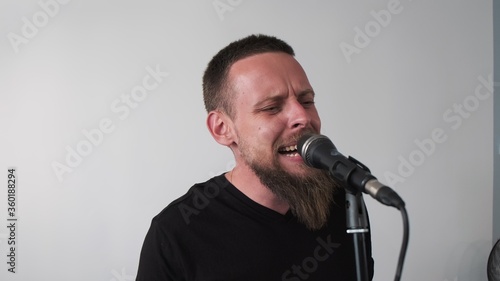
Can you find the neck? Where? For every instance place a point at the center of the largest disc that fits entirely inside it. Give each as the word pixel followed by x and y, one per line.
pixel 246 181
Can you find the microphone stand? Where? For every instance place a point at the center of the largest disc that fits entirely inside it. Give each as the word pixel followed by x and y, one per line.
pixel 357 225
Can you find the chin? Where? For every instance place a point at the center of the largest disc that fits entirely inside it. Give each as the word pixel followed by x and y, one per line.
pixel 300 170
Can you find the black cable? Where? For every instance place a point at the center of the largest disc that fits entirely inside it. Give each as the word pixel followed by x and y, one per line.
pixel 404 246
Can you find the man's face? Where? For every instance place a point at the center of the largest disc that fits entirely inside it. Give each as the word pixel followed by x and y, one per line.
pixel 273 107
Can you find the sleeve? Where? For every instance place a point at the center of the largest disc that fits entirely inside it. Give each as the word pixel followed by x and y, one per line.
pixel 154 261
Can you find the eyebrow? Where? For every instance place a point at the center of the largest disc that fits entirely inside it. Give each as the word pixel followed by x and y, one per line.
pixel 279 97
pixel 305 93
pixel 271 99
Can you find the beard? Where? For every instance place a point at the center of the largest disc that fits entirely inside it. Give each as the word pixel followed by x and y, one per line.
pixel 309 195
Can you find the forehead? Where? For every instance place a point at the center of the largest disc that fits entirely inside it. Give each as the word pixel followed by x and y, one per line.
pixel 266 64
pixel 268 73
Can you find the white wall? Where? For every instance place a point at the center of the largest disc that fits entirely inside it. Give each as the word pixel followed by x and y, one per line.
pixel 496 124
pixel 65 66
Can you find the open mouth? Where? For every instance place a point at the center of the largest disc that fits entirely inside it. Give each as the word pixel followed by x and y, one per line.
pixel 289 151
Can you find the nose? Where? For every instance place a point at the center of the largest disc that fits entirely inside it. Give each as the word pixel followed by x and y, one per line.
pixel 299 117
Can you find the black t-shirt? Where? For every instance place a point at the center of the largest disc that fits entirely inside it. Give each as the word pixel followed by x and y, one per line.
pixel 215 232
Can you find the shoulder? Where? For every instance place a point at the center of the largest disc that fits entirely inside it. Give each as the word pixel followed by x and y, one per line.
pixel 200 196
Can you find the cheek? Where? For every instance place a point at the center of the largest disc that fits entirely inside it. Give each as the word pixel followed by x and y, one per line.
pixel 266 136
pixel 262 133
pixel 318 126
pixel 316 122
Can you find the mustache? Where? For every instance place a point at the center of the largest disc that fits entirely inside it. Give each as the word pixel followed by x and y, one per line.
pixel 293 139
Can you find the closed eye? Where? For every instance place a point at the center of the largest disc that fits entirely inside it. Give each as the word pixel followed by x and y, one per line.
pixel 306 98
pixel 307 103
pixel 271 109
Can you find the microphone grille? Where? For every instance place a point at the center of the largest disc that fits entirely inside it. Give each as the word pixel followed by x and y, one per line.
pixel 304 147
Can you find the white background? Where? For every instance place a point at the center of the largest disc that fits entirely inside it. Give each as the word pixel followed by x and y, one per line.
pixel 65 66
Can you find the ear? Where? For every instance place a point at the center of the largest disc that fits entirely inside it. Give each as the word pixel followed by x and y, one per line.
pixel 221 127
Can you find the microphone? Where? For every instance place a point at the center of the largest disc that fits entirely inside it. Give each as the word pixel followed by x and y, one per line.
pixel 319 152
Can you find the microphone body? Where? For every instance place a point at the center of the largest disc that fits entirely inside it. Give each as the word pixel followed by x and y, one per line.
pixel 319 152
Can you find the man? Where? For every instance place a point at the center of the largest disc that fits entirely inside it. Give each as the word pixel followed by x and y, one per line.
pixel 271 217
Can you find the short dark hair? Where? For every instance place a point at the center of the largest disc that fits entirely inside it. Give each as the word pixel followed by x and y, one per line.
pixel 215 84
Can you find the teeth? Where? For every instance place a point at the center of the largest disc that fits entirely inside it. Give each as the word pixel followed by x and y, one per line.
pixel 289 148
pixel 292 155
